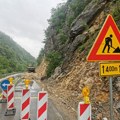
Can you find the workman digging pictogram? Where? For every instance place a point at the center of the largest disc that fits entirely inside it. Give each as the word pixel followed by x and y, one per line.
pixel 108 44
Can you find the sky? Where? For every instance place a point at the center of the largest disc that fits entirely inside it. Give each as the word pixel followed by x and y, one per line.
pixel 25 21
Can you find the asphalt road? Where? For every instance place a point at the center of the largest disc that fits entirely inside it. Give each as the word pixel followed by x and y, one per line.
pixel 53 113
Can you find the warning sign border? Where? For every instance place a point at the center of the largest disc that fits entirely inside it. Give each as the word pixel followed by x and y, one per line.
pixel 93 56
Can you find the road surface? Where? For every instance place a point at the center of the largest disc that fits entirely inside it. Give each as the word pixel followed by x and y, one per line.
pixel 53 113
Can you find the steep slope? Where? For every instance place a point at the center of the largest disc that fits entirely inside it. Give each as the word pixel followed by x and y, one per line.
pixel 66 83
pixel 13 58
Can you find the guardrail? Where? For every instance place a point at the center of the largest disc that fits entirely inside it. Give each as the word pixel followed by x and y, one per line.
pixel 13 75
pixel 7 74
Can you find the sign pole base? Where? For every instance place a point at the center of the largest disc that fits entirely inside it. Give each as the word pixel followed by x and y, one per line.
pixel 22 119
pixel 10 112
pixel 111 100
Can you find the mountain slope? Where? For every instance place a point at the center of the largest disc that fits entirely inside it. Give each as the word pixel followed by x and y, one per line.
pixel 78 33
pixel 13 58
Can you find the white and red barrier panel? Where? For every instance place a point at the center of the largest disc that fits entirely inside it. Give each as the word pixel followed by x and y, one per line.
pixel 3 99
pixel 10 97
pixel 25 105
pixel 42 105
pixel 84 111
pixel 4 94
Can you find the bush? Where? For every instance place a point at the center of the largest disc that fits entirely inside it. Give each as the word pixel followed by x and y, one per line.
pixel 54 58
pixel 81 48
pixel 116 13
pixel 63 37
pixel 40 57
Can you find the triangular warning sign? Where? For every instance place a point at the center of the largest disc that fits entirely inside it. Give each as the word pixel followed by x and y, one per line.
pixel 107 44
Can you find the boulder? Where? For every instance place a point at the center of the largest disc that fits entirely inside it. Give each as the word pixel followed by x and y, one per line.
pixel 86 17
pixel 56 72
pixel 79 40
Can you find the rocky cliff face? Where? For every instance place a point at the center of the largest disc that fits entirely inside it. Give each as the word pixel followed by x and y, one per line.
pixel 75 72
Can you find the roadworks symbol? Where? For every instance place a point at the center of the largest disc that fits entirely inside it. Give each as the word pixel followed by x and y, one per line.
pixel 107 44
pixel 110 44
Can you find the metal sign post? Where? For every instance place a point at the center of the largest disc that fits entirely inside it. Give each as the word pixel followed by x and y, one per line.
pixel 110 69
pixel 111 100
pixel 3 86
pixel 101 51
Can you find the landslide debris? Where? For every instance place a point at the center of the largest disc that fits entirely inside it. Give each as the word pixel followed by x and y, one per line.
pixel 69 78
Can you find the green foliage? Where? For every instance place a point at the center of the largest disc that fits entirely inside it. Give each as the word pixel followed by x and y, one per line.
pixel 62 37
pixel 13 58
pixel 62 17
pixel 54 59
pixel 116 13
pixel 70 19
pixel 76 6
pixel 57 22
pixel 59 25
pixel 58 16
pixel 40 57
pixel 81 48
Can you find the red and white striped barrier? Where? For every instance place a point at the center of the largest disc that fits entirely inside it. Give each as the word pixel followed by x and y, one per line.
pixel 10 101
pixel 25 105
pixel 42 105
pixel 4 94
pixel 4 97
pixel 10 97
pixel 84 111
